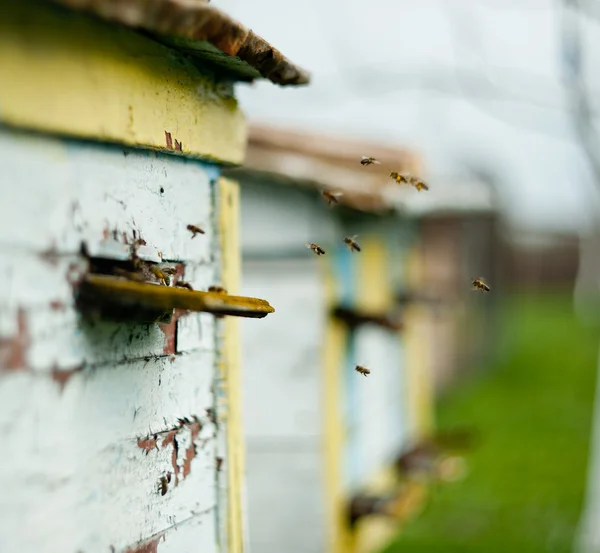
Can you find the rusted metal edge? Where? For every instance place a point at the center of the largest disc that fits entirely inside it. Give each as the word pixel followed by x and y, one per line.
pixel 192 26
pixel 153 297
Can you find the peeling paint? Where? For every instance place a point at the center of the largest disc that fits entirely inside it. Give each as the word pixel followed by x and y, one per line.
pixel 148 444
pixel 171 439
pixel 146 547
pixel 13 350
pixel 62 376
pixel 191 451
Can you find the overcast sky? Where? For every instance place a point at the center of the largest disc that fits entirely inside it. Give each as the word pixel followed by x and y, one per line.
pixel 475 82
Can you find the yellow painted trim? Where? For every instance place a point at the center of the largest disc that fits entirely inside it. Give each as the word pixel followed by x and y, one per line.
pixel 419 385
pixel 375 293
pixel 229 217
pixel 67 73
pixel 338 535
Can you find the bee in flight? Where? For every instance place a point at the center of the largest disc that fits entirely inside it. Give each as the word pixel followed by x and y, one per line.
pixel 331 197
pixel 479 284
pixel 217 289
pixel 362 370
pixel 369 161
pixel 195 230
pixel 398 177
pixel 418 184
pixel 352 244
pixel 315 248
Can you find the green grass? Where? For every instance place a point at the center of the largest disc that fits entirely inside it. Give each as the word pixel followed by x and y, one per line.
pixel 526 483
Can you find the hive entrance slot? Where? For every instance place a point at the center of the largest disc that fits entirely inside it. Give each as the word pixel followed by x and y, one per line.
pixel 139 291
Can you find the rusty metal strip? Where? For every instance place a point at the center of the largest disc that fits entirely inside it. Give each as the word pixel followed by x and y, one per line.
pixel 152 297
pixel 196 25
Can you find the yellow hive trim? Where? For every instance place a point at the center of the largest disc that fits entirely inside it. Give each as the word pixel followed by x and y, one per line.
pixel 229 221
pixel 67 73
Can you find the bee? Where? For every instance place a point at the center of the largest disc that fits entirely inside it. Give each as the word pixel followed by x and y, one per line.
pixel 217 289
pixel 331 197
pixel 398 177
pixel 418 184
pixel 369 161
pixel 352 244
pixel 163 484
pixel 315 248
pixel 362 370
pixel 160 274
pixel 195 230
pixel 183 284
pixel 479 284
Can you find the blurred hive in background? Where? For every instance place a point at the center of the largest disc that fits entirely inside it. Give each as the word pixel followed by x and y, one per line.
pixel 317 432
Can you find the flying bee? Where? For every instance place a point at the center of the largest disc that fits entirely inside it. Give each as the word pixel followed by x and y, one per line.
pixel 369 161
pixel 217 289
pixel 331 197
pixel 479 284
pixel 315 248
pixel 163 484
pixel 195 230
pixel 362 370
pixel 418 184
pixel 352 244
pixel 398 177
pixel 183 284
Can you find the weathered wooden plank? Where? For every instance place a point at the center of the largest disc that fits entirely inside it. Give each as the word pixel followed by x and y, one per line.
pixel 115 85
pixel 194 535
pixel 37 306
pixel 64 192
pixel 89 448
pixel 290 521
pixel 379 400
pixel 287 380
pixel 270 227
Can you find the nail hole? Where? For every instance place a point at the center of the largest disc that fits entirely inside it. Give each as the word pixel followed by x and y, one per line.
pixel 162 190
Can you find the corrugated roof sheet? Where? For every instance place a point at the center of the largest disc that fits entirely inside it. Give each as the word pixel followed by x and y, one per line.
pixel 201 30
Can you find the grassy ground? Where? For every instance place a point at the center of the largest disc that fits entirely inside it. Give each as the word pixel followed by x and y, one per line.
pixel 526 483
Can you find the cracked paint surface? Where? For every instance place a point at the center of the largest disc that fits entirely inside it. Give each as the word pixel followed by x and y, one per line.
pixel 94 412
